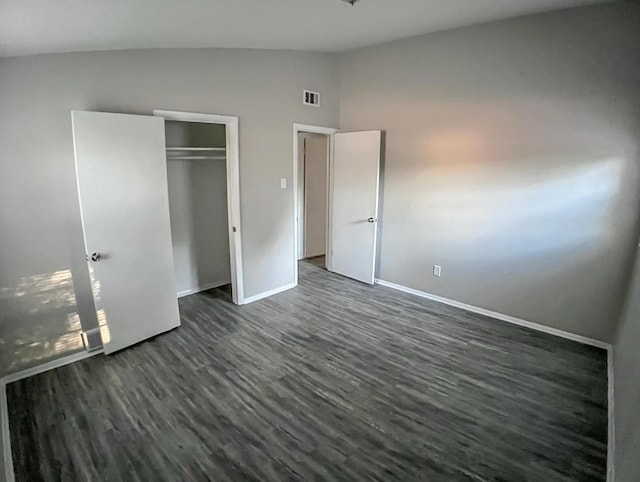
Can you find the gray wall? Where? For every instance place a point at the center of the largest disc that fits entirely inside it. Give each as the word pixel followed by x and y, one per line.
pixel 511 161
pixel 199 223
pixel 43 278
pixel 626 356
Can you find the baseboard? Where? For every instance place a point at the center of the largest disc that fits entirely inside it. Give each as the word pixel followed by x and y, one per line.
pixel 45 367
pixel 499 316
pixel 209 286
pixel 266 294
pixel 611 437
pixel 6 436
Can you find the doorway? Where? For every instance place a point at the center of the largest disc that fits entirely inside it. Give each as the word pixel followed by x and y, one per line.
pixel 202 178
pixel 312 148
pixel 349 189
pixel 313 154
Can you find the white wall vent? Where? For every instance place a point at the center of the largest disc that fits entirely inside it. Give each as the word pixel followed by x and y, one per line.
pixel 311 98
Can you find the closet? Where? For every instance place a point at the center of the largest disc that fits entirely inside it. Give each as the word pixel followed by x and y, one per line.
pixel 154 192
pixel 197 185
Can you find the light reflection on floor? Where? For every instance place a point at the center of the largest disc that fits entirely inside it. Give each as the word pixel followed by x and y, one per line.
pixel 104 327
pixel 38 320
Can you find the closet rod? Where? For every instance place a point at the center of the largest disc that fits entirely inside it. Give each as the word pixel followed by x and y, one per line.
pixel 193 158
pixel 221 149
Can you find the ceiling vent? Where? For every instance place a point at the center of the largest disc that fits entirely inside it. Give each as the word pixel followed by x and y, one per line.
pixel 311 98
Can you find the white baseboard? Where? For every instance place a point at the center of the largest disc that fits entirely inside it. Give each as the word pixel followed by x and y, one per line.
pixel 4 408
pixel 45 367
pixel 611 437
pixel 266 294
pixel 498 316
pixel 209 286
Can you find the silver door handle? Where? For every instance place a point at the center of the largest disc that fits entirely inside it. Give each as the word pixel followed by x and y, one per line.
pixel 95 257
pixel 372 220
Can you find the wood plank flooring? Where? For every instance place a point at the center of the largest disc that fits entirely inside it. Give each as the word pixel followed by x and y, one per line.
pixel 333 380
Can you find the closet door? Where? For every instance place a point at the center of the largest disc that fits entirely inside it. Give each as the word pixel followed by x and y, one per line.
pixel 122 183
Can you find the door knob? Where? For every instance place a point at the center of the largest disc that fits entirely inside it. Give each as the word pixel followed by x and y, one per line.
pixel 96 257
pixel 372 220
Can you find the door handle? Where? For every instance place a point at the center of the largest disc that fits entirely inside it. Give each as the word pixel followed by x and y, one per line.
pixel 372 220
pixel 94 257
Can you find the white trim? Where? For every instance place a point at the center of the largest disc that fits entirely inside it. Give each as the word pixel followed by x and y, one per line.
pixel 233 189
pixel 314 129
pixel 328 131
pixel 611 437
pixel 6 435
pixel 198 289
pixel 266 294
pixel 53 364
pixel 193 116
pixel 301 213
pixel 498 316
pixel 328 258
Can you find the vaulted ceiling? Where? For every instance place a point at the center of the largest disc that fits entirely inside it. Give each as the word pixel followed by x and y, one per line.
pixel 44 26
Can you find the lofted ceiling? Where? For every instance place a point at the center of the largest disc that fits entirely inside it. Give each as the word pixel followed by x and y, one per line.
pixel 45 26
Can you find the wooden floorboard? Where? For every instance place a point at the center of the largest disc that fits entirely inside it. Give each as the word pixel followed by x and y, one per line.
pixel 332 380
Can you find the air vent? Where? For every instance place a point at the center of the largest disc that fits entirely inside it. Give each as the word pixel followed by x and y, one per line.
pixel 311 98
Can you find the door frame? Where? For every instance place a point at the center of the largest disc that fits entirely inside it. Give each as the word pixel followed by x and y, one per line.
pixel 311 129
pixel 231 124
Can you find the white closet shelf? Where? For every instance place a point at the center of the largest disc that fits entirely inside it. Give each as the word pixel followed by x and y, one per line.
pixel 213 149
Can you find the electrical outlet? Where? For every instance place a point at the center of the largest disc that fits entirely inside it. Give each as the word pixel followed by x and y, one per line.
pixel 437 270
pixel 283 183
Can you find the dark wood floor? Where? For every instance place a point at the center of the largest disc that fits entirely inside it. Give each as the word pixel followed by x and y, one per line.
pixel 333 380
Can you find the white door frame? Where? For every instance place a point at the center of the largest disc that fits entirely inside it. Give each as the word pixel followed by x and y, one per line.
pixel 233 188
pixel 328 131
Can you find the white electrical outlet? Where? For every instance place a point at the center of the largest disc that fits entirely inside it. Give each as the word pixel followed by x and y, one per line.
pixel 283 183
pixel 437 270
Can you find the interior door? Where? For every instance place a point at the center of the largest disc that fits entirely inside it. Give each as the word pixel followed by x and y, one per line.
pixel 354 189
pixel 122 183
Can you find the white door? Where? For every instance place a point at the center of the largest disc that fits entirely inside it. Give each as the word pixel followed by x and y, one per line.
pixel 122 183
pixel 355 178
